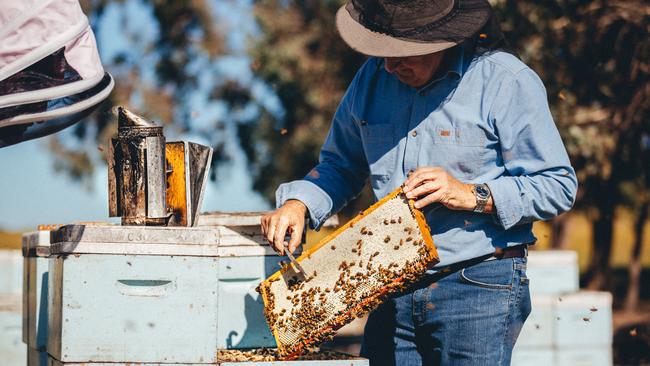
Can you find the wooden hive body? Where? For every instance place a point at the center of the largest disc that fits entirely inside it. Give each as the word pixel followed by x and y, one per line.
pixel 349 273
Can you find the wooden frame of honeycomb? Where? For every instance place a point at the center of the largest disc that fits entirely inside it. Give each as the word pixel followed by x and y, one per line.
pixel 350 272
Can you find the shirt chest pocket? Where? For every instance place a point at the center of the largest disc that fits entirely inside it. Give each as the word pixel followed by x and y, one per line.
pixel 462 150
pixel 379 146
pixel 470 136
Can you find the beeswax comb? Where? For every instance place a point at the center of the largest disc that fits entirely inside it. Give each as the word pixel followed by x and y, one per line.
pixel 349 273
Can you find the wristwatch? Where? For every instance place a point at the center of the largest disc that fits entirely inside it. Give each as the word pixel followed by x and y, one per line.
pixel 482 194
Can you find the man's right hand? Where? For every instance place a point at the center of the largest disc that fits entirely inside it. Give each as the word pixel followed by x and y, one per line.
pixel 290 218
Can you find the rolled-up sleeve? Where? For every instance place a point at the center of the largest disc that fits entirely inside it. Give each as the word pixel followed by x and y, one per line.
pixel 341 172
pixel 539 182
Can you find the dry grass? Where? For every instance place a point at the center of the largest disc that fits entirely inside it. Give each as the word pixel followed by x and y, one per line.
pixel 10 240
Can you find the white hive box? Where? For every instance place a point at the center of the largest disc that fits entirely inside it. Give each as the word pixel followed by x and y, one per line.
pixel 584 356
pixel 553 272
pixel 532 356
pixel 133 294
pixel 353 361
pixel 246 259
pixel 13 352
pixel 11 269
pixel 538 328
pixel 36 357
pixel 583 319
pixel 36 251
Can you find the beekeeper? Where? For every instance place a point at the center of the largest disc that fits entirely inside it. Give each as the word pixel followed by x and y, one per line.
pixel 443 107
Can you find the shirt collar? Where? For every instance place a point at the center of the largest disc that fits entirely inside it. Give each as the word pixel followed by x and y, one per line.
pixel 453 66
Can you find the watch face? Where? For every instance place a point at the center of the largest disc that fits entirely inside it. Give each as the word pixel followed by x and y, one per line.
pixel 482 192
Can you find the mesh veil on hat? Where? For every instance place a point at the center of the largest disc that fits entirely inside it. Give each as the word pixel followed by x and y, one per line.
pixel 400 28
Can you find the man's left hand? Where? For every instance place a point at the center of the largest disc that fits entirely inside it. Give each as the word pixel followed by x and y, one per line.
pixel 432 184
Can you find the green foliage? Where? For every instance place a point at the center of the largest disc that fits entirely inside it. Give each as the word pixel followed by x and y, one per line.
pixel 301 56
pixel 186 31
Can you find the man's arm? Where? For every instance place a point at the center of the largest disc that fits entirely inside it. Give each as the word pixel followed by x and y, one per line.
pixel 337 179
pixel 540 182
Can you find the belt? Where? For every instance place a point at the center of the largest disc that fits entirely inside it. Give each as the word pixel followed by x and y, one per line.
pixel 519 251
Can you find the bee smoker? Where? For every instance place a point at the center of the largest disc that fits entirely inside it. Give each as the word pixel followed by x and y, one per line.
pixel 153 182
pixel 136 172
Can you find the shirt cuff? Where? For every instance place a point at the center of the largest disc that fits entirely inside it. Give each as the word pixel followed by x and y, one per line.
pixel 318 202
pixel 505 195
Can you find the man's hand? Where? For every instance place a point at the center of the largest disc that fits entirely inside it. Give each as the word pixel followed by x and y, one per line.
pixel 290 218
pixel 433 184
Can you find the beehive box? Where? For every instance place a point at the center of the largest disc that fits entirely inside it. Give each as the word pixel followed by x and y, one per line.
pixel 245 260
pixel 583 319
pixel 532 356
pixel 553 272
pixel 11 263
pixel 584 356
pixel 538 328
pixel 348 274
pixel 36 251
pixel 326 359
pixel 12 350
pixel 37 357
pixel 133 294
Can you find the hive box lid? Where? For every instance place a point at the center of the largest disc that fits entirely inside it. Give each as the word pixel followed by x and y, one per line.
pixel 135 240
pixel 555 258
pixel 36 243
pixel 245 219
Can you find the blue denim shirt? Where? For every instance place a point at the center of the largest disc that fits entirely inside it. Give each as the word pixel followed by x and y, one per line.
pixel 484 119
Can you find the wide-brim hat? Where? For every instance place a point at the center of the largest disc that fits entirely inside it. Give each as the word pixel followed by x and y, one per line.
pixel 389 28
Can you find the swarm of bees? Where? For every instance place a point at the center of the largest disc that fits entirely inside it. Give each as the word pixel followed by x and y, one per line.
pixel 359 270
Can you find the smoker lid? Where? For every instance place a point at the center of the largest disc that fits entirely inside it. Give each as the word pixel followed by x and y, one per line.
pixel 141 240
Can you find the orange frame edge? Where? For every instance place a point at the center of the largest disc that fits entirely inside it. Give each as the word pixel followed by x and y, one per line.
pixel 422 225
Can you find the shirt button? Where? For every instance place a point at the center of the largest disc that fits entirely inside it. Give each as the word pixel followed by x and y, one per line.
pixel 414 133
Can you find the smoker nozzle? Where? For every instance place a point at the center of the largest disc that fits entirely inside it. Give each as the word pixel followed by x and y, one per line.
pixel 126 119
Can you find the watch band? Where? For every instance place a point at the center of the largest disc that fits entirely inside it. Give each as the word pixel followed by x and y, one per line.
pixel 482 194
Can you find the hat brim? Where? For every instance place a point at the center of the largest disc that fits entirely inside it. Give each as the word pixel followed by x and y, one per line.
pixel 363 40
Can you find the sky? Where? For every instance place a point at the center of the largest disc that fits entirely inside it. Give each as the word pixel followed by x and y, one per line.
pixel 32 192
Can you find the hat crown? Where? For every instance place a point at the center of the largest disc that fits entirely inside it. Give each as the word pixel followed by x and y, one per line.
pixel 390 16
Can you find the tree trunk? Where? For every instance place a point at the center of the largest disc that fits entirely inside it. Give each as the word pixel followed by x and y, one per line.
pixel 634 271
pixel 560 232
pixel 598 273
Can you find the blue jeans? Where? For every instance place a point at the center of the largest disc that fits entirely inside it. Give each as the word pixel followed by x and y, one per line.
pixel 471 316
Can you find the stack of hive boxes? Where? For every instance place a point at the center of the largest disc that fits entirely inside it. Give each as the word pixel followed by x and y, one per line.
pixel 36 251
pixel 103 293
pixel 12 351
pixel 566 327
